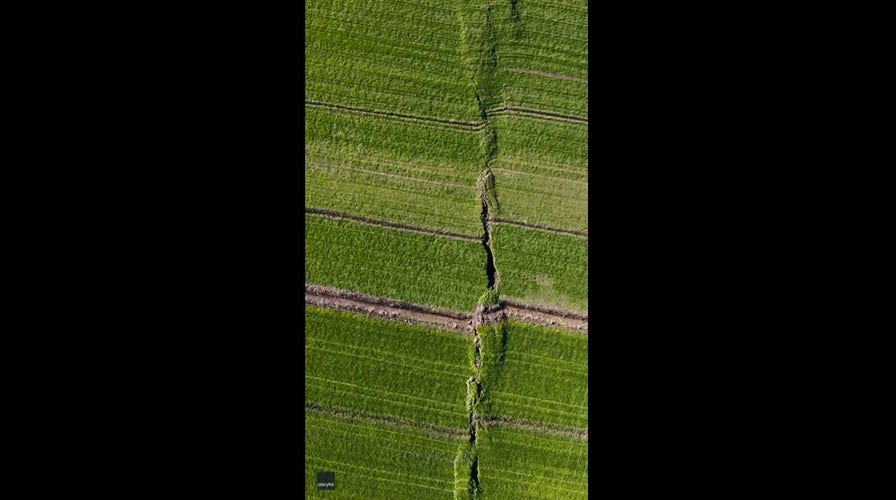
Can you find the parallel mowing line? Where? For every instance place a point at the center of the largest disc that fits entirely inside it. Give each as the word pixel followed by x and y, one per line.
pixel 549 74
pixel 506 480
pixel 382 223
pixel 579 483
pixel 394 401
pixel 549 401
pixel 570 232
pixel 378 423
pixel 471 126
pixel 446 458
pixel 448 444
pixel 375 390
pixel 410 358
pixel 389 472
pixel 534 113
pixel 549 367
pixel 381 360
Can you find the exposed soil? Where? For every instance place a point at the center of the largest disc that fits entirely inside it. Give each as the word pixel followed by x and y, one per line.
pixel 464 125
pixel 549 74
pixel 555 318
pixel 333 214
pixel 362 416
pixel 388 309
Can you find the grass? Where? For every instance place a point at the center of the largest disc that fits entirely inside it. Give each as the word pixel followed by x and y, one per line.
pixel 396 264
pixel 381 367
pixel 377 460
pixel 542 378
pixel 538 267
pixel 440 199
pixel 523 464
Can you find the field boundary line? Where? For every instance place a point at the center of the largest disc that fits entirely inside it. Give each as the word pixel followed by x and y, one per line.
pixel 334 214
pixel 549 74
pixel 471 126
pixel 373 419
pixel 569 232
pixel 577 432
pixel 537 113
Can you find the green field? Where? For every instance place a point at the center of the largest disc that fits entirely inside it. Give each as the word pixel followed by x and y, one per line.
pixel 390 369
pixel 522 464
pixel 377 460
pixel 543 379
pixel 538 267
pixel 417 268
pixel 416 112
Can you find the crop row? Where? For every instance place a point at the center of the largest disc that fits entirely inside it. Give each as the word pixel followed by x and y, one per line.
pixel 539 267
pixel 523 464
pixel 375 366
pixel 538 199
pixel 545 93
pixel 429 198
pixel 390 263
pixel 376 460
pixel 543 141
pixel 350 134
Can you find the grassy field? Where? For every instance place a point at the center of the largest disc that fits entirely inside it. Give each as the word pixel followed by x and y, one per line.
pixel 390 369
pixel 522 464
pixel 538 267
pixel 417 268
pixel 543 379
pixel 378 460
pixel 409 106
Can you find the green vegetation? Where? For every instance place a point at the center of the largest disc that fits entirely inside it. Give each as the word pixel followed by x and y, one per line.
pixel 440 199
pixel 374 366
pixel 417 268
pixel 391 56
pixel 522 464
pixel 542 378
pixel 539 267
pixel 376 460
pixel 346 134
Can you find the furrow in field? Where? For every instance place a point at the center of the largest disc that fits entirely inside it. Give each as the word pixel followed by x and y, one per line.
pixel 471 126
pixel 549 74
pixel 378 419
pixel 535 113
pixel 570 232
pixel 581 433
pixel 333 214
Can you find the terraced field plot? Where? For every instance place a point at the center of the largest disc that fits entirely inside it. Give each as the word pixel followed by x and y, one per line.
pixel 446 172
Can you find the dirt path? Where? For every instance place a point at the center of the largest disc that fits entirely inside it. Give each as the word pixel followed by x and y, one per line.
pixel 452 321
pixel 546 317
pixel 388 309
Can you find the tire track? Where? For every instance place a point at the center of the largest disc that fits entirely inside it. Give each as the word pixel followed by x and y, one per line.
pixel 333 214
pixel 535 113
pixel 471 126
pixel 569 232
pixel 549 74
pixel 547 429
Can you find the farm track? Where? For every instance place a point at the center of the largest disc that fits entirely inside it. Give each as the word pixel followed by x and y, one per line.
pixel 549 74
pixel 547 429
pixel 471 126
pixel 333 214
pixel 458 322
pixel 435 431
pixel 535 113
pixel 570 232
